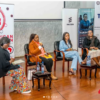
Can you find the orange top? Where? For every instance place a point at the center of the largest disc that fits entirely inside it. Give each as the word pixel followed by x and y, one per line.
pixel 34 50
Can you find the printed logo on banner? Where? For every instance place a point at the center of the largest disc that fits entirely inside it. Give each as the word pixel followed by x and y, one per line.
pixel 98 15
pixel 69 21
pixel 2 20
pixel 98 2
pixel 10 49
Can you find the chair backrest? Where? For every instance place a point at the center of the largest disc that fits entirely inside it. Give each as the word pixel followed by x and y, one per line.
pixel 26 49
pixel 56 47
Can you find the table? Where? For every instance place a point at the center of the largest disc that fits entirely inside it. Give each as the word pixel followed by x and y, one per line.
pixel 39 76
pixel 94 53
pixel 88 67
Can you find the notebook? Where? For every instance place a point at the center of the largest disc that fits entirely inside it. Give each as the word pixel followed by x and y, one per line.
pixel 18 62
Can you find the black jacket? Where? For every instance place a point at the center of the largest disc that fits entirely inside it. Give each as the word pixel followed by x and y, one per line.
pixel 5 65
pixel 86 44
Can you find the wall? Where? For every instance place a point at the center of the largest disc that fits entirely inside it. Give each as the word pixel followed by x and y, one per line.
pixel 79 4
pixel 28 9
pixel 48 31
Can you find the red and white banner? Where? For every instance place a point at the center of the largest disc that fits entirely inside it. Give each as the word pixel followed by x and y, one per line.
pixel 7 24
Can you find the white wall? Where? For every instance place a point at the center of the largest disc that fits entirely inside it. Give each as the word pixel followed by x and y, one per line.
pixel 87 4
pixel 36 9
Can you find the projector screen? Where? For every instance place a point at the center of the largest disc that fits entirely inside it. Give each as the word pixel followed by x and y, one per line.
pixel 36 9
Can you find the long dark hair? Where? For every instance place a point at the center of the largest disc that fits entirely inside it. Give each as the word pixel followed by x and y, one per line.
pixel 69 38
pixel 4 40
pixel 32 36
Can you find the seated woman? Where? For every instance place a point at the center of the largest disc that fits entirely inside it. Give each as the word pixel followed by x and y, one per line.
pixel 36 48
pixel 66 47
pixel 19 81
pixel 91 43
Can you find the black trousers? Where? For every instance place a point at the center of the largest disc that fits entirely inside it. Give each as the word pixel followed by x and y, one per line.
pixel 48 63
pixel 84 54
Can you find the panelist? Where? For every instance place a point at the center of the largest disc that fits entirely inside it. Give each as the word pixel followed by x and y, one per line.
pixel 19 82
pixel 66 47
pixel 36 48
pixel 92 44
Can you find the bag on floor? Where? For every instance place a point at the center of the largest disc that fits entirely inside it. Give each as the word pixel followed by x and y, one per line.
pixel 30 71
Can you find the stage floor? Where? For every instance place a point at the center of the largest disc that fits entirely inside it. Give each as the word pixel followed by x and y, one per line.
pixel 67 87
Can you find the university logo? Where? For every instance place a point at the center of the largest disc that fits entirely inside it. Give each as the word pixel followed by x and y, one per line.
pixel 10 49
pixel 2 20
pixel 70 19
pixel 98 15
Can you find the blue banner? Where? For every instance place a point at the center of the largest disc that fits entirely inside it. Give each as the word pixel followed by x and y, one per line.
pixel 85 23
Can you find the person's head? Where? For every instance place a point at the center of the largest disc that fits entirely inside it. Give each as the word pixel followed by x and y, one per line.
pixel 4 42
pixel 90 33
pixel 66 37
pixel 85 17
pixel 34 37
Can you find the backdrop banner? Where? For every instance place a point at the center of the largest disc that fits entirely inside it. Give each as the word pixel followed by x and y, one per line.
pixel 7 25
pixel 69 24
pixel 97 19
pixel 85 23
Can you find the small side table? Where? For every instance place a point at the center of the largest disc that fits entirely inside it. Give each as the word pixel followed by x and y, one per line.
pixel 88 67
pixel 39 76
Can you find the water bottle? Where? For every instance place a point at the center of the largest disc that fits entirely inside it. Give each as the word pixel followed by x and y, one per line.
pixel 42 67
pixel 88 60
pixel 38 67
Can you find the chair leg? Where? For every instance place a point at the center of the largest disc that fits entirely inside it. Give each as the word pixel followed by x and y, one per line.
pixel 77 68
pixel 68 66
pixel 95 72
pixel 90 73
pixel 80 73
pixel 63 66
pixel 26 70
pixel 85 72
pixel 55 65
pixel 26 66
pixel 3 81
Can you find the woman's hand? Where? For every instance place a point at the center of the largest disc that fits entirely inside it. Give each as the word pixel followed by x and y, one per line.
pixel 12 60
pixel 41 44
pixel 96 48
pixel 92 47
pixel 47 54
pixel 70 49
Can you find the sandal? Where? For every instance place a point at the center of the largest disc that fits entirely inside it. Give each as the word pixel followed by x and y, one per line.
pixel 72 72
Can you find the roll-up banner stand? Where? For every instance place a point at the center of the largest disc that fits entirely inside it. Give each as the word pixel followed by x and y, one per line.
pixel 69 24
pixel 7 24
pixel 85 23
